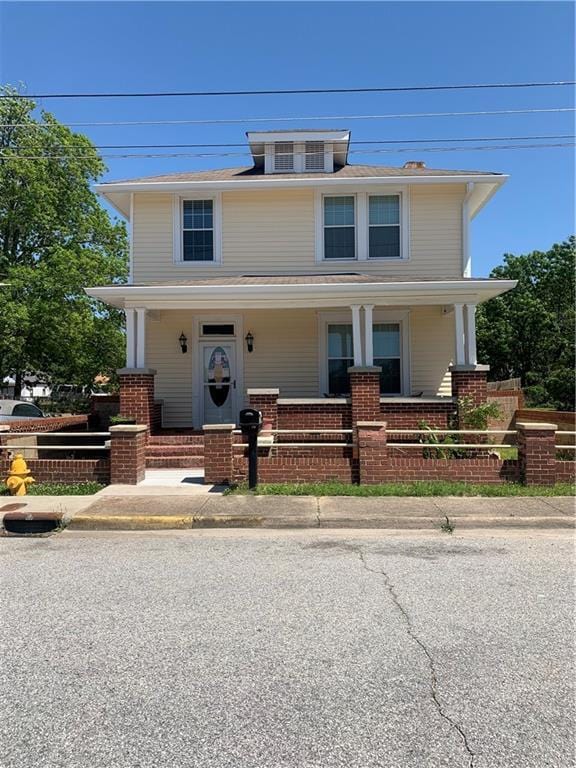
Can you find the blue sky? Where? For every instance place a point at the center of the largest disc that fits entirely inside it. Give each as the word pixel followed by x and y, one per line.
pixel 73 47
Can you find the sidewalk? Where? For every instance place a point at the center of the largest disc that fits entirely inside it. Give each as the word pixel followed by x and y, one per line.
pixel 156 509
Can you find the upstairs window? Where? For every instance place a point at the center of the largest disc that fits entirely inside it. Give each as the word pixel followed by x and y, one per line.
pixel 284 156
pixel 339 227
pixel 384 227
pixel 198 230
pixel 314 156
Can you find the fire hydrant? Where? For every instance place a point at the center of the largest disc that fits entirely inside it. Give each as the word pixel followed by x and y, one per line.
pixel 19 476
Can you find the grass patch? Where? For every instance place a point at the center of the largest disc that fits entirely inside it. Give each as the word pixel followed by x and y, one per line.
pixel 60 489
pixel 433 488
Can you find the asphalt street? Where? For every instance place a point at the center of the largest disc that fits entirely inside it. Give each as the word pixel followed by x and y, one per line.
pixel 288 649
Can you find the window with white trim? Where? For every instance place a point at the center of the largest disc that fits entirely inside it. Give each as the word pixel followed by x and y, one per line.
pixel 340 357
pixel 340 227
pixel 384 227
pixel 197 230
pixel 387 346
pixel 387 355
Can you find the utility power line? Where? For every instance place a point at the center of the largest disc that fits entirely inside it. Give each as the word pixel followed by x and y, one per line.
pixel 370 142
pixel 289 91
pixel 305 118
pixel 484 148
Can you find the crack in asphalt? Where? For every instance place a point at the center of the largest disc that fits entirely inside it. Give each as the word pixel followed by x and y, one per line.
pixel 431 664
pixel 318 511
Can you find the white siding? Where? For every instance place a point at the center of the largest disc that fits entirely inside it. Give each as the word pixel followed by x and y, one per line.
pixel 432 350
pixel 267 232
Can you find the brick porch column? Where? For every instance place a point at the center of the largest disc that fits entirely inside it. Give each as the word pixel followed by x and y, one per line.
pixel 266 401
pixel 218 453
pixel 137 394
pixel 469 381
pixel 536 453
pixel 372 449
pixel 365 392
pixel 128 453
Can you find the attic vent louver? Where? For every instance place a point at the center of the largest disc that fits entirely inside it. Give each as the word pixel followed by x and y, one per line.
pixel 314 156
pixel 284 156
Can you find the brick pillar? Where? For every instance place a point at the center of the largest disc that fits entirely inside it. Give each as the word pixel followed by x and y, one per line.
pixel 365 392
pixel 128 453
pixel 469 381
pixel 218 453
pixel 137 394
pixel 536 453
pixel 266 401
pixel 372 450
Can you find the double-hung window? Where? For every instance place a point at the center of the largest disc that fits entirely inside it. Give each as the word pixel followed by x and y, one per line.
pixel 387 347
pixel 340 227
pixel 198 230
pixel 340 357
pixel 384 227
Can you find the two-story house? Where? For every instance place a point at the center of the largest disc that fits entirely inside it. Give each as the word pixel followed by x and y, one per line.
pixel 295 274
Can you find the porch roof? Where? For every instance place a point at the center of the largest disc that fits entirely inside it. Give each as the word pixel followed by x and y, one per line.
pixel 284 291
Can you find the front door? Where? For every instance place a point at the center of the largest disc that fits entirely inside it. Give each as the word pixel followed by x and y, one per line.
pixel 219 382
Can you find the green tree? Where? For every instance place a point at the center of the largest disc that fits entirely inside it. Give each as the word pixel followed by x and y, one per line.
pixel 55 240
pixel 529 332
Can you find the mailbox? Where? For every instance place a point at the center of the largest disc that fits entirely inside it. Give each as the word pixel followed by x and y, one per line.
pixel 250 421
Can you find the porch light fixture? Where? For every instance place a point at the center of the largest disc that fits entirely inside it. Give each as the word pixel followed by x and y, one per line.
pixel 183 343
pixel 249 341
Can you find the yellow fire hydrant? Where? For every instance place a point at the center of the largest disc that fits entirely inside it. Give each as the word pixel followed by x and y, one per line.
pixel 19 476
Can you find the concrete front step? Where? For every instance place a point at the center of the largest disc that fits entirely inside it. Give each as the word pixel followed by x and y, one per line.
pixel 190 461
pixel 174 450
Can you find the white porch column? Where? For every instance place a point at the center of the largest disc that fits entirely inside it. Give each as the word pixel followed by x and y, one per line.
pixel 356 334
pixel 471 334
pixel 130 338
pixel 368 339
pixel 459 330
pixel 141 338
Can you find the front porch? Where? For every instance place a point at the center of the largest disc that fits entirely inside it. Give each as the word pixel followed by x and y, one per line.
pixel 312 350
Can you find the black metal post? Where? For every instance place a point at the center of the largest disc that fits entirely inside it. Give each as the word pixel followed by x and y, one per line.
pixel 252 459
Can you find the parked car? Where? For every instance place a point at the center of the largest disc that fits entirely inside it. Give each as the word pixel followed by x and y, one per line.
pixel 15 410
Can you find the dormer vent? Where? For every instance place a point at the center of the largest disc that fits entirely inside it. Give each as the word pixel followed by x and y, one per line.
pixel 314 156
pixel 284 156
pixel 299 151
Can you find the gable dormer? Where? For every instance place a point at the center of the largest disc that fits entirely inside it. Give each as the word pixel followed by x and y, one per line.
pixel 307 151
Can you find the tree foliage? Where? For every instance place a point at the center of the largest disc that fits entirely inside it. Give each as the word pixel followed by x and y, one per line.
pixel 529 332
pixel 55 240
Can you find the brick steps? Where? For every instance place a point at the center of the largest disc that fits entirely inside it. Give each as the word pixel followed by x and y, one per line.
pixel 174 462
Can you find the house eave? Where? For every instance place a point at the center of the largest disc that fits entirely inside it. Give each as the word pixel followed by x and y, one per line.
pixel 200 296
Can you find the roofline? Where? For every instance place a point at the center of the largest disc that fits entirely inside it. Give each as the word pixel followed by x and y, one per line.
pixel 175 186
pixel 321 294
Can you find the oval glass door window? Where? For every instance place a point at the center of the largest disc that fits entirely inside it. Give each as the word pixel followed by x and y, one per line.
pixel 219 376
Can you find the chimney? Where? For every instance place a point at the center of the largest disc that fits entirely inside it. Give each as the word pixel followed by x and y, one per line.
pixel 415 164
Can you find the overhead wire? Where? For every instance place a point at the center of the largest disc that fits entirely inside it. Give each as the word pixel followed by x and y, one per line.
pixel 484 148
pixel 302 118
pixel 290 91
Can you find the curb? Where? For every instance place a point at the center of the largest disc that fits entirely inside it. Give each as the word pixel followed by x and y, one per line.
pixel 188 522
pixel 160 522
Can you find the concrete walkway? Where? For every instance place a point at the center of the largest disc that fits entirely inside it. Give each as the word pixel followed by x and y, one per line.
pixel 153 510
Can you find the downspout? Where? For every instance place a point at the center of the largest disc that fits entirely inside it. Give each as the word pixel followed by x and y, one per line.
pixel 131 241
pixel 466 259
